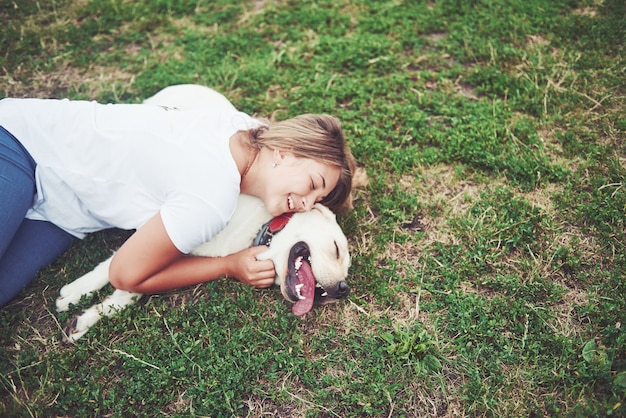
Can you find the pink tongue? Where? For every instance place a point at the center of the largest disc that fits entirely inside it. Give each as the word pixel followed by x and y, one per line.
pixel 305 276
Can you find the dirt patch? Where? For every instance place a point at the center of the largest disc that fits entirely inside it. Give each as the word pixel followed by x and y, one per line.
pixel 566 320
pixel 90 82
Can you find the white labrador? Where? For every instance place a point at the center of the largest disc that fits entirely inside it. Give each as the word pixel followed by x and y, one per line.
pixel 310 252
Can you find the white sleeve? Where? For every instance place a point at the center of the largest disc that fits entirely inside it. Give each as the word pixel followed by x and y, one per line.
pixel 190 221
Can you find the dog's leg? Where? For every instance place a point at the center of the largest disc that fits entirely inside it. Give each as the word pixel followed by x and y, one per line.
pixel 117 301
pixel 85 285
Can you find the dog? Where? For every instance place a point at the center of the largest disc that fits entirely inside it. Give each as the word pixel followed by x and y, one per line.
pixel 309 250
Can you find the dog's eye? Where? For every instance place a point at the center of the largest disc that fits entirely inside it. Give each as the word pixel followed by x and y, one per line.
pixel 337 250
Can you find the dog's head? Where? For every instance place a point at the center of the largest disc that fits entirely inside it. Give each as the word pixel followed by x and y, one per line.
pixel 311 258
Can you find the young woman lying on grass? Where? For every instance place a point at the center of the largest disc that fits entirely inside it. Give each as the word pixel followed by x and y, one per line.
pixel 68 168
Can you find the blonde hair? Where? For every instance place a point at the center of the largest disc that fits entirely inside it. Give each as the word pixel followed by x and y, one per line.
pixel 318 137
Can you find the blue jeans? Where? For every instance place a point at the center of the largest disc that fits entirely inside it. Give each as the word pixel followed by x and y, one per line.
pixel 25 245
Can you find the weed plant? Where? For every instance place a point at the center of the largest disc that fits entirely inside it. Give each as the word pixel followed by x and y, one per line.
pixel 488 249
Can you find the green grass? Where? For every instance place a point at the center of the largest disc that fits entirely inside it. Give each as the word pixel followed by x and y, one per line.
pixel 488 249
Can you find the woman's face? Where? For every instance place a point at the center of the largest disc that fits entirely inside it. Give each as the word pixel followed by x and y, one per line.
pixel 296 184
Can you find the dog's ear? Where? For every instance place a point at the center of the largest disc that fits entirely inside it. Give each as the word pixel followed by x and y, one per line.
pixel 325 211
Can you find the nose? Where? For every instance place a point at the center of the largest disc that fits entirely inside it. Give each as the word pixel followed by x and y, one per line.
pixel 307 203
pixel 343 290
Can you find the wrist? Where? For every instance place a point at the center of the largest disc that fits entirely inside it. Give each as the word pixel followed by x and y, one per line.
pixel 227 267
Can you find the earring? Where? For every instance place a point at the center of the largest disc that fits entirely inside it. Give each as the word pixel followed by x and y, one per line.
pixel 274 164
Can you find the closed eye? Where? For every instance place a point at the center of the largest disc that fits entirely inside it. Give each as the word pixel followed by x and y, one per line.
pixel 337 250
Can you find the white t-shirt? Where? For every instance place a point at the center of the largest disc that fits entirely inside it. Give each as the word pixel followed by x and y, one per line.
pixel 101 166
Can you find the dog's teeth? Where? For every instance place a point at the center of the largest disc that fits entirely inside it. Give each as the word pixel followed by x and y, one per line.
pixel 318 285
pixel 324 294
pixel 298 263
pixel 298 291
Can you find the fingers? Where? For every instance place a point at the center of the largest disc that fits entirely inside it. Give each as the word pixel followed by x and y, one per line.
pixel 263 273
pixel 266 266
pixel 263 284
pixel 257 273
pixel 254 251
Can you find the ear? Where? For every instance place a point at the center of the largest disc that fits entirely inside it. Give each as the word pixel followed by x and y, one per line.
pixel 325 211
pixel 280 157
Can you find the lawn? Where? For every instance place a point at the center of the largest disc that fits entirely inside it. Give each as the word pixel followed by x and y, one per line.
pixel 488 249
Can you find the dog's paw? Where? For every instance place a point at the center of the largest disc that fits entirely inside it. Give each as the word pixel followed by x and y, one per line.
pixel 66 298
pixel 70 332
pixel 80 324
pixel 70 294
pixel 63 303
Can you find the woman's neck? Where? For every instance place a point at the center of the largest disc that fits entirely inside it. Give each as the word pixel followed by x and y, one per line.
pixel 243 154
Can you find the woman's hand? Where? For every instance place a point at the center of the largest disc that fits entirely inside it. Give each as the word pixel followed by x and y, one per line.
pixel 245 267
pixel 148 262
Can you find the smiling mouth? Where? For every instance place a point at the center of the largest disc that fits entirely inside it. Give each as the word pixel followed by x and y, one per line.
pixel 290 203
pixel 302 287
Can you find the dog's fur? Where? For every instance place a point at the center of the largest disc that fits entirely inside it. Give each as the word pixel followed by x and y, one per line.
pixel 311 242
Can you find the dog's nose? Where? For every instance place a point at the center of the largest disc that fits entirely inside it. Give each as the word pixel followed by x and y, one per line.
pixel 343 290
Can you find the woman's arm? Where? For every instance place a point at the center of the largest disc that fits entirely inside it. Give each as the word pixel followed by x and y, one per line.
pixel 149 262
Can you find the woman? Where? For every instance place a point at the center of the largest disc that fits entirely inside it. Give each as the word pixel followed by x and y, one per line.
pixel 68 168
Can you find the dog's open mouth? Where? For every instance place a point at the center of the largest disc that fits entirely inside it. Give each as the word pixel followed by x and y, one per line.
pixel 301 284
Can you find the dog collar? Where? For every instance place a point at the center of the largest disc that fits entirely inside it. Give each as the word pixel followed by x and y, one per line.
pixel 270 228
